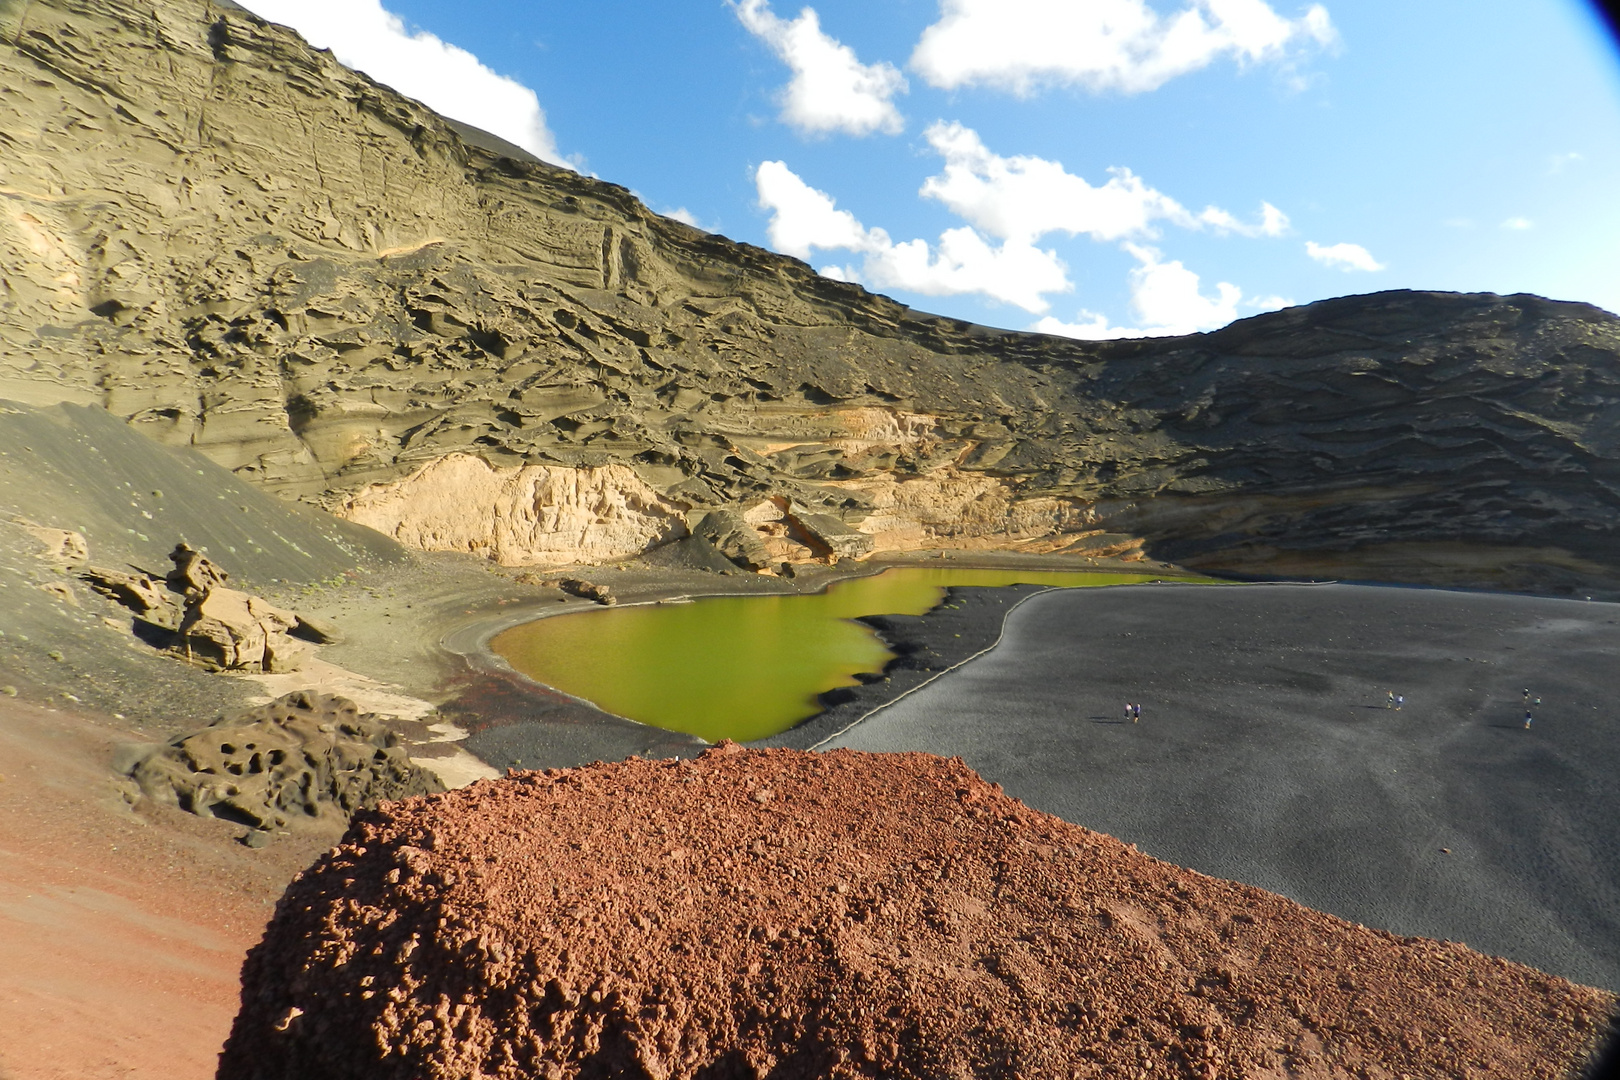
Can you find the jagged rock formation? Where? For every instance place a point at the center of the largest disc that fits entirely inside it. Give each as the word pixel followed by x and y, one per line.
pixel 220 628
pixel 787 914
pixel 302 758
pixel 520 515
pixel 221 234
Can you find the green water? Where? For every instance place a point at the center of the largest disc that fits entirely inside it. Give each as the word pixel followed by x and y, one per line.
pixel 741 667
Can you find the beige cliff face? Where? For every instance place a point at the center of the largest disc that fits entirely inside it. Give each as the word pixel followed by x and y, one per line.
pixel 232 241
pixel 521 516
pixel 953 509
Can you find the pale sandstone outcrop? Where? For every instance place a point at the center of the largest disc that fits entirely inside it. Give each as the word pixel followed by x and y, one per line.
pixel 61 545
pixel 952 508
pixel 227 628
pixel 521 516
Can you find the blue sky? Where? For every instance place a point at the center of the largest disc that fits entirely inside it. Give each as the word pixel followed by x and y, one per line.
pixel 1092 167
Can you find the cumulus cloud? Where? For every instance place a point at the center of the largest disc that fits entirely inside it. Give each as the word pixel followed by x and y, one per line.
pixel 1166 298
pixel 831 91
pixel 450 80
pixel 1518 224
pixel 1345 257
pixel 1023 198
pixel 804 219
pixel 1103 45
pixel 1010 203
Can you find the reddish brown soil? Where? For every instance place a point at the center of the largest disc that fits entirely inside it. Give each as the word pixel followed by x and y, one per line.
pixel 784 914
pixel 121 933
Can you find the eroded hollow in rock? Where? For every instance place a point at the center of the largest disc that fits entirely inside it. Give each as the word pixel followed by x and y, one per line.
pixel 787 914
pixel 303 757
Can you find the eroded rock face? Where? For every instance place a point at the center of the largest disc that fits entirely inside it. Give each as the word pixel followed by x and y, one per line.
pixel 520 516
pixel 787 914
pixel 221 234
pixel 304 757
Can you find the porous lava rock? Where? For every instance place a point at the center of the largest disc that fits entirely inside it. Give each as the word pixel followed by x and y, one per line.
pixel 304 757
pixel 787 914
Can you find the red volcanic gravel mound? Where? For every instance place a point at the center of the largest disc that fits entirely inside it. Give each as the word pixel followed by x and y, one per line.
pixel 787 914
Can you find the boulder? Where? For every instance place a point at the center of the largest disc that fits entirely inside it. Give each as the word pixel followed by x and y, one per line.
pixel 732 535
pixel 303 757
pixel 318 630
pixel 148 597
pixel 227 629
pixel 602 594
pixel 841 539
pixel 194 573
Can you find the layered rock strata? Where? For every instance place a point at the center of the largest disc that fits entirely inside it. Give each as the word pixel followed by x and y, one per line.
pixel 219 233
pixel 785 914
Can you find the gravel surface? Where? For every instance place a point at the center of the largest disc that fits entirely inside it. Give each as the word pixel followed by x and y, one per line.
pixel 781 913
pixel 1266 753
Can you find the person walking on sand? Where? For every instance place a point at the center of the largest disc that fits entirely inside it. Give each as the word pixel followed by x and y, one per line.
pixel 1400 699
pixel 1391 703
pixel 1136 712
pixel 1527 719
pixel 1128 708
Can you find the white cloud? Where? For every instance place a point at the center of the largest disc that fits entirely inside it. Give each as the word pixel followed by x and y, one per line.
pixel 1102 45
pixel 804 219
pixel 1558 162
pixel 831 91
pixel 683 215
pixel 1010 203
pixel 1023 198
pixel 1345 257
pixel 1166 298
pixel 1011 272
pixel 1518 224
pixel 450 80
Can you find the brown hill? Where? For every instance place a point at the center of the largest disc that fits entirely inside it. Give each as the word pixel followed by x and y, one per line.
pixel 223 235
pixel 785 914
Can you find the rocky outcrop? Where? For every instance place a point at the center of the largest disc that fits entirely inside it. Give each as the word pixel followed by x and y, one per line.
pixel 520 516
pixel 788 914
pixel 219 233
pixel 303 758
pixel 218 627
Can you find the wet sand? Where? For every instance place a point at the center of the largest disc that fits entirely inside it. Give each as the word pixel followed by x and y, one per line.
pixel 1266 753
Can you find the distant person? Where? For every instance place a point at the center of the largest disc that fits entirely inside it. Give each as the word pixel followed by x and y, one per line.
pixel 1400 699
pixel 1527 697
pixel 1136 712
pixel 1129 715
pixel 1390 704
pixel 1527 719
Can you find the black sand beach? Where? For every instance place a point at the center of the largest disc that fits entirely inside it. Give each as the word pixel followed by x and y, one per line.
pixel 1266 752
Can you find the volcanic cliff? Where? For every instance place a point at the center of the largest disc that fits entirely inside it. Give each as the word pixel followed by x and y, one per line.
pixel 223 235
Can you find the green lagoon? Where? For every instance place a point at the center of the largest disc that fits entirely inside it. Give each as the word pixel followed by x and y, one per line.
pixel 741 667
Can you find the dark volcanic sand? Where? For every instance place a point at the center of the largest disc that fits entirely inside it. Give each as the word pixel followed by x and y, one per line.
pixel 1265 753
pixel 755 913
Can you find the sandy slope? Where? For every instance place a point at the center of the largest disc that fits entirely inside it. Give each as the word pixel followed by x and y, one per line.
pixel 121 933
